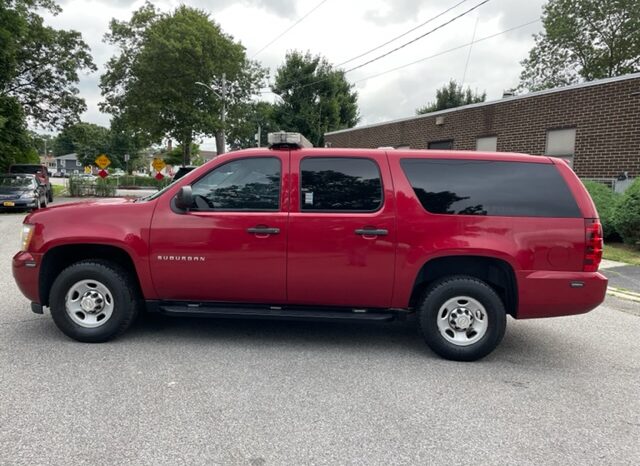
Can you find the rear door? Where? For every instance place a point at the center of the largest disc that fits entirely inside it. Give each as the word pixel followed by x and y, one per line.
pixel 342 229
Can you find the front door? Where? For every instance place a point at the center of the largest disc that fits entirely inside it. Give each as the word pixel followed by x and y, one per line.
pixel 231 246
pixel 342 230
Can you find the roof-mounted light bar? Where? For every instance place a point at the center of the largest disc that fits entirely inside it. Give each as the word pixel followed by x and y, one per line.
pixel 283 138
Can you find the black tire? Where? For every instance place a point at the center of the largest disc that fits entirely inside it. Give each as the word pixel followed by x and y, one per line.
pixel 121 287
pixel 447 289
pixel 50 194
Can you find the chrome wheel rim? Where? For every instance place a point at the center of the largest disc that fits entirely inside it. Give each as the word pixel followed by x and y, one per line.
pixel 89 303
pixel 462 321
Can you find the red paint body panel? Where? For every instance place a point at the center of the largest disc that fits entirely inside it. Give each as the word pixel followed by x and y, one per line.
pixel 317 259
pixel 238 266
pixel 327 262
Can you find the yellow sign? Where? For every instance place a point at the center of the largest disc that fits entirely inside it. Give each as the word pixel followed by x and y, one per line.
pixel 102 161
pixel 87 170
pixel 158 164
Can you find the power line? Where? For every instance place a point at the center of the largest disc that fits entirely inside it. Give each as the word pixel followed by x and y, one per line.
pixel 402 35
pixel 466 65
pixel 406 65
pixel 448 51
pixel 419 37
pixel 397 48
pixel 289 28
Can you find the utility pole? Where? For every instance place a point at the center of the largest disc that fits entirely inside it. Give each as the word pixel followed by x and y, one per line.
pixel 221 142
pixel 259 135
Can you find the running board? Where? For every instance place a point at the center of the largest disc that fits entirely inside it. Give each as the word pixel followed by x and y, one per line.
pixel 271 312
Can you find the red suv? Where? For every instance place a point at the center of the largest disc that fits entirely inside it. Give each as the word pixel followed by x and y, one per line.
pixel 460 239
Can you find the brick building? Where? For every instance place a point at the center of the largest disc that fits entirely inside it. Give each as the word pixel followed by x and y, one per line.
pixel 594 125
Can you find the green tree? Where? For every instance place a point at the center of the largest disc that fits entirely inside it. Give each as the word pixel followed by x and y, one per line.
pixel 452 95
pixel 316 98
pixel 85 139
pixel 583 40
pixel 174 156
pixel 39 65
pixel 151 84
pixel 244 120
pixel 15 141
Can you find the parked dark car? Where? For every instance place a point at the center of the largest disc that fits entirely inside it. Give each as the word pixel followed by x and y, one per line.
pixel 21 192
pixel 41 173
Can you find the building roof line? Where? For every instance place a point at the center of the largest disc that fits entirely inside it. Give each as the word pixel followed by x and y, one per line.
pixel 571 87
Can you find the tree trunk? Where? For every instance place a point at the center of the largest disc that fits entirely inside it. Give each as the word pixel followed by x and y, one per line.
pixel 220 142
pixel 186 152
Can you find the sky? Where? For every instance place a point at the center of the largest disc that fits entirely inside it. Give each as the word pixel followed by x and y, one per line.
pixel 341 30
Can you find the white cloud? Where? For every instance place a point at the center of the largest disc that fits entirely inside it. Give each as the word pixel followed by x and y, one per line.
pixel 339 31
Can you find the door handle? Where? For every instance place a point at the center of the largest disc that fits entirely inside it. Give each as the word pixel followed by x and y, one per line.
pixel 260 230
pixel 372 232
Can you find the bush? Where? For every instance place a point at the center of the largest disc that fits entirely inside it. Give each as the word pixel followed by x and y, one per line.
pixel 606 201
pixel 626 216
pixel 79 187
pixel 139 181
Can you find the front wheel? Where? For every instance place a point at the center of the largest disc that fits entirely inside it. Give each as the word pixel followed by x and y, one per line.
pixel 462 318
pixel 93 301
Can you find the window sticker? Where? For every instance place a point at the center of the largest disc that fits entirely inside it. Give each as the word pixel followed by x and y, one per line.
pixel 308 198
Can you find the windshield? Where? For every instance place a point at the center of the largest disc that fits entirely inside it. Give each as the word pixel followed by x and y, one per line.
pixel 25 169
pixel 155 195
pixel 17 182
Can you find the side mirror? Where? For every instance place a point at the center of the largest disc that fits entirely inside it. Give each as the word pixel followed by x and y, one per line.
pixel 184 198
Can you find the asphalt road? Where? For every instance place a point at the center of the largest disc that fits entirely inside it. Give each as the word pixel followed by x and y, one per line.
pixel 170 391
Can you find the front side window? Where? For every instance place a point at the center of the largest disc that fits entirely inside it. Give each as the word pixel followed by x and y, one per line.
pixel 340 184
pixel 240 185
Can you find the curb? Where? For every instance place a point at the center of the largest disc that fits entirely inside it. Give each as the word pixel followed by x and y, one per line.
pixel 624 294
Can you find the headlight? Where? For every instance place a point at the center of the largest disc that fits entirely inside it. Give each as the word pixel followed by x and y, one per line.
pixel 27 234
pixel 29 195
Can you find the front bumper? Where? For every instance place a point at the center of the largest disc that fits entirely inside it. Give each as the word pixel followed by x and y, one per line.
pixel 26 271
pixel 14 204
pixel 553 294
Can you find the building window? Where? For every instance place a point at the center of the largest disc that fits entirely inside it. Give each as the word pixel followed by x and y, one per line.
pixel 403 147
pixel 562 143
pixel 442 145
pixel 487 144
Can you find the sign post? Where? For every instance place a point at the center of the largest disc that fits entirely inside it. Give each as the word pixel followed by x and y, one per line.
pixel 102 161
pixel 158 165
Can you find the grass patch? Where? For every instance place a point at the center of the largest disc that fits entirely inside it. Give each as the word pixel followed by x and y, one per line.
pixel 621 253
pixel 58 190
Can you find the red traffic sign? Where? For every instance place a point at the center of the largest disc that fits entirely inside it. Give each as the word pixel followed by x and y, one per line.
pixel 159 176
pixel 103 174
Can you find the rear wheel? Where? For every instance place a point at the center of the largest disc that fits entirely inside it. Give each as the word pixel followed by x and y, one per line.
pixel 93 301
pixel 462 318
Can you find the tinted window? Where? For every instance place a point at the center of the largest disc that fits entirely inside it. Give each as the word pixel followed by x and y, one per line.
pixel 472 187
pixel 247 184
pixel 340 184
pixel 32 169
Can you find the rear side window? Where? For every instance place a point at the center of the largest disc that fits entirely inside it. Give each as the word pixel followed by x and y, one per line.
pixel 340 184
pixel 478 187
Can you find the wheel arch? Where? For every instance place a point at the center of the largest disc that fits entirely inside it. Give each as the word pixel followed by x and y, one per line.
pixel 497 273
pixel 60 257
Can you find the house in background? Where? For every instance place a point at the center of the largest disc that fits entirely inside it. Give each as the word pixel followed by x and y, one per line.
pixel 65 165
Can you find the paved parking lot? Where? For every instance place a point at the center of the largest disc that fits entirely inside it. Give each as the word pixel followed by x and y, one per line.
pixel 557 391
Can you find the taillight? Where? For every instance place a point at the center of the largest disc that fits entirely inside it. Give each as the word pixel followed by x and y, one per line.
pixel 593 244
